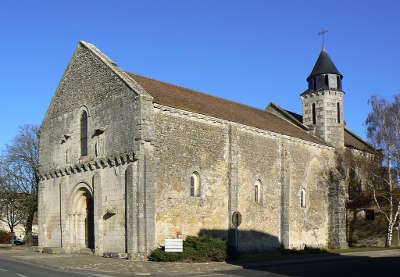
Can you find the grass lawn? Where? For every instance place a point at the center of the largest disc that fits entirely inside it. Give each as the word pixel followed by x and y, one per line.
pixel 361 249
pixel 282 254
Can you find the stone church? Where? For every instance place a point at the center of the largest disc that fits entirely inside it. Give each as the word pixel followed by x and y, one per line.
pixel 127 161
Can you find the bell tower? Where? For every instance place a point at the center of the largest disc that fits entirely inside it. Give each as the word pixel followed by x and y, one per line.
pixel 323 101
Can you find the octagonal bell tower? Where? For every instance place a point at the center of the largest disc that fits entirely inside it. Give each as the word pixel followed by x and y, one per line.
pixel 323 101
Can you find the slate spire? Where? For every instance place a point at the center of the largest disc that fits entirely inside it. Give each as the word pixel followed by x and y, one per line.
pixel 324 65
pixel 323 101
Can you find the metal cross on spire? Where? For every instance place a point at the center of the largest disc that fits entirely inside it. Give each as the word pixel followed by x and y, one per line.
pixel 322 33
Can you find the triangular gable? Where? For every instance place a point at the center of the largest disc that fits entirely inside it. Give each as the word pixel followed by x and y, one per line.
pixel 102 76
pixel 292 117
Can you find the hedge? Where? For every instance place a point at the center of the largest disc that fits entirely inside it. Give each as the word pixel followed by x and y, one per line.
pixel 195 249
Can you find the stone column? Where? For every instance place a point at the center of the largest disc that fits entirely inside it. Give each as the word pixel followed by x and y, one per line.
pixel 75 230
pixel 285 197
pixel 140 198
pixel 42 214
pixel 98 214
pixel 146 187
pixel 233 182
pixel 131 209
pixel 337 211
pixel 65 207
pixel 149 197
pixel 82 231
pixel 62 212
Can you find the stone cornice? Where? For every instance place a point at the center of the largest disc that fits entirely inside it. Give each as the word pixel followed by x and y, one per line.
pixel 89 165
pixel 321 91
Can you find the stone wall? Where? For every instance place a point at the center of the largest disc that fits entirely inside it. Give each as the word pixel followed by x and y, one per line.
pixel 183 146
pixel 327 126
pixel 259 160
pixel 119 133
pixel 87 85
pixel 230 159
pixel 57 215
pixel 284 167
pixel 49 214
pixel 309 171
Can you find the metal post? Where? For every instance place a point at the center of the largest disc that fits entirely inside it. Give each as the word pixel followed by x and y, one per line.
pixel 236 238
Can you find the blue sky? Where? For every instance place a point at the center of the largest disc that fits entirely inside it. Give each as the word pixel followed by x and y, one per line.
pixel 252 52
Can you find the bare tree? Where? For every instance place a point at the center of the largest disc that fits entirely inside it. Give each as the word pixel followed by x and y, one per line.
pixel 383 131
pixel 395 110
pixel 20 167
pixel 12 210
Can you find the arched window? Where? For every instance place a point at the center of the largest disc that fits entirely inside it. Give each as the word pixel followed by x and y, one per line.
pixel 303 198
pixel 327 81
pixel 195 184
pixel 257 191
pixel 338 112
pixel 84 132
pixel 314 116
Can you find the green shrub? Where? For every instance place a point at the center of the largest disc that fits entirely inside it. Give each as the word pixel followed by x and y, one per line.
pixel 195 249
pixel 5 237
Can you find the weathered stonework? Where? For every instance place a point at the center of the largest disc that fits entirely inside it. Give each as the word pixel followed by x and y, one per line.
pixel 337 211
pixel 327 126
pixel 122 148
pixel 134 186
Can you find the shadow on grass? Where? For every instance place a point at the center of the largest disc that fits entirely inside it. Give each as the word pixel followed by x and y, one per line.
pixel 255 246
pixel 341 266
pixel 262 255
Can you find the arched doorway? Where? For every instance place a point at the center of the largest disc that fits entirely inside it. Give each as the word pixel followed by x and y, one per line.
pixel 83 219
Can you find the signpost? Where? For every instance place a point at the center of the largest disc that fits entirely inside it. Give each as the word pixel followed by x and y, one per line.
pixel 236 220
pixel 173 245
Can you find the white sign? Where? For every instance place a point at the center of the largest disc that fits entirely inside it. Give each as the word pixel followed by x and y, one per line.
pixel 173 245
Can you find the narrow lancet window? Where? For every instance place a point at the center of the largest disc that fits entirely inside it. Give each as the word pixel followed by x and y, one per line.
pixel 338 112
pixel 314 116
pixel 256 188
pixel 257 191
pixel 327 81
pixel 303 198
pixel 84 132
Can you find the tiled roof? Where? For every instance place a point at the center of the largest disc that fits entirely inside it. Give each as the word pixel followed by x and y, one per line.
pixel 351 140
pixel 197 102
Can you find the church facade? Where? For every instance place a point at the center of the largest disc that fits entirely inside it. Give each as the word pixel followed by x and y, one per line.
pixel 127 161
